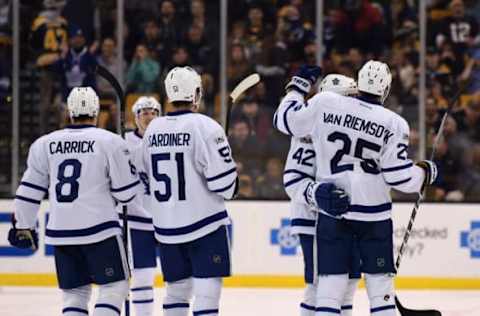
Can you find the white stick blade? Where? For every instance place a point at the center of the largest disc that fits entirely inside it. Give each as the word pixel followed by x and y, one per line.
pixel 244 85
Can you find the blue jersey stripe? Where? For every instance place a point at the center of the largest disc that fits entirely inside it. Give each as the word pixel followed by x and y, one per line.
pixel 291 182
pixel 131 185
pixel 143 288
pixel 370 208
pixel 205 312
pixel 303 222
pixel 327 309
pixel 113 308
pixel 139 219
pixel 176 305
pixel 55 233
pixel 34 186
pixel 346 307
pixel 299 172
pixel 193 227
pixel 143 301
pixel 307 307
pixel 221 175
pixel 26 199
pixel 396 168
pixel 74 309
pixel 382 308
pixel 127 200
pixel 285 120
pixel 399 182
pixel 225 188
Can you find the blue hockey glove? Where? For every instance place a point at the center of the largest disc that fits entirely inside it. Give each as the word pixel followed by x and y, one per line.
pixel 304 78
pixel 327 197
pixel 22 238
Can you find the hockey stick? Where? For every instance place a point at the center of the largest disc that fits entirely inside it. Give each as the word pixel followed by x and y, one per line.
pixel 108 76
pixel 243 86
pixel 427 312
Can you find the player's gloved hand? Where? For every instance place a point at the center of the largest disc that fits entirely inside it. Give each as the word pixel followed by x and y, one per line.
pixel 304 78
pixel 430 169
pixel 22 238
pixel 327 197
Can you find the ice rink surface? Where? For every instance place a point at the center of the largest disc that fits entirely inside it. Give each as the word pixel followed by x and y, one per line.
pixel 38 301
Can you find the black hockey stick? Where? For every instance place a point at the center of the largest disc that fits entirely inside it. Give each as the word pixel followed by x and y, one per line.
pixel 108 76
pixel 427 312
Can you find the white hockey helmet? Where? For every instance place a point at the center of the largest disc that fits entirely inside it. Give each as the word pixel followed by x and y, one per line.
pixel 183 84
pixel 145 102
pixel 83 101
pixel 339 84
pixel 375 78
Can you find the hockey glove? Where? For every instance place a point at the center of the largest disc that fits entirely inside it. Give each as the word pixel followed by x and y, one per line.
pixel 22 238
pixel 431 172
pixel 304 78
pixel 327 197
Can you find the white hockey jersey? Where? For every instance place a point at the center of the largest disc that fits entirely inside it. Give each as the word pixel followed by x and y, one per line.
pixel 139 216
pixel 191 171
pixel 84 169
pixel 299 171
pixel 361 147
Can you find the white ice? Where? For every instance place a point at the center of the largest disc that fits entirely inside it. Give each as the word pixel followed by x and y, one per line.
pixel 40 301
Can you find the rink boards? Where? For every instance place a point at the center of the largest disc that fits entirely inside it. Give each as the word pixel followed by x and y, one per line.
pixel 443 251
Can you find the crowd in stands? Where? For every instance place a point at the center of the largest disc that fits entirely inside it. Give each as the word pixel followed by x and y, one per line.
pixel 273 38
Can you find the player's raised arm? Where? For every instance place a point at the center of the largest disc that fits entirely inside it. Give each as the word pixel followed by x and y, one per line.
pixel 398 170
pixel 295 116
pixel 219 167
pixel 122 172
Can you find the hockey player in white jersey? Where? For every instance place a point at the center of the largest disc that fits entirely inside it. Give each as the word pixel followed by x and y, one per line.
pixel 361 154
pixel 140 226
pixel 84 170
pixel 191 171
pixel 300 170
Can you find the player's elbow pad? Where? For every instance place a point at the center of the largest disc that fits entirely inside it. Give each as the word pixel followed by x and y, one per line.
pixel 126 193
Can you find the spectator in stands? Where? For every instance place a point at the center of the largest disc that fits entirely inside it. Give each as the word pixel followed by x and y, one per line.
pixel 77 64
pixel 270 185
pixel 153 42
pixel 471 178
pixel 246 189
pixel 180 57
pixel 5 71
pixel 108 59
pixel 209 26
pixel 359 24
pixel 238 65
pixel 48 38
pixel 472 72
pixel 258 120
pixel 295 33
pixel 202 52
pixel 245 146
pixel 469 119
pixel 143 74
pixel 460 30
pixel 170 28
pixel 449 167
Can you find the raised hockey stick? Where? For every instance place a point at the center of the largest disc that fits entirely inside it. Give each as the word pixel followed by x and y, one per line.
pixel 243 86
pixel 108 76
pixel 426 312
